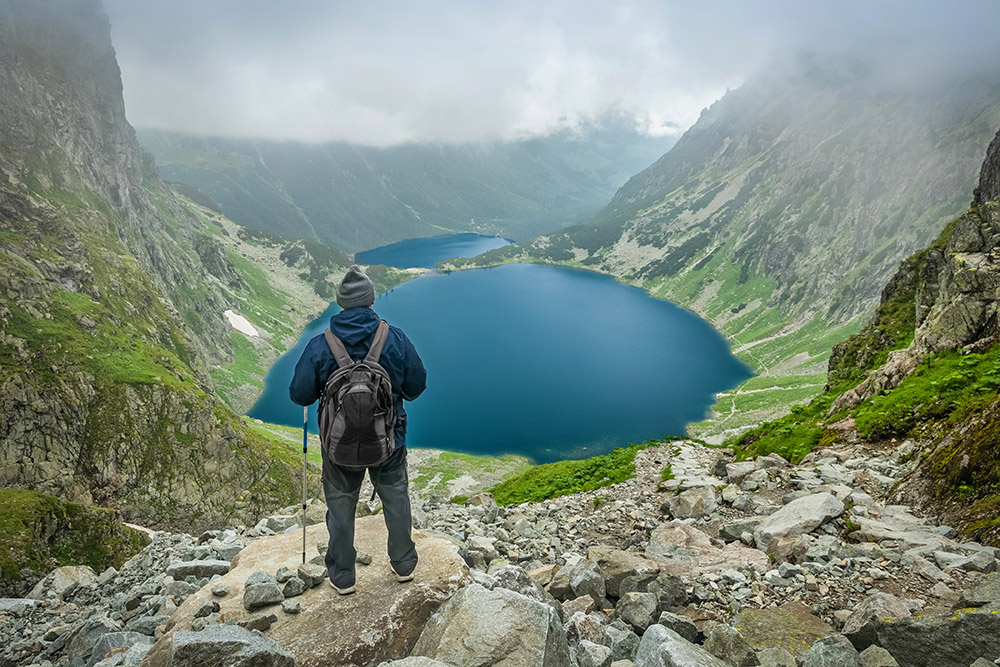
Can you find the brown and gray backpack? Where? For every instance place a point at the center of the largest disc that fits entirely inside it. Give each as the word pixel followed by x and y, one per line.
pixel 357 417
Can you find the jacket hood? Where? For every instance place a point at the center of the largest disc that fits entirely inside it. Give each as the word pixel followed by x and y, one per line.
pixel 354 324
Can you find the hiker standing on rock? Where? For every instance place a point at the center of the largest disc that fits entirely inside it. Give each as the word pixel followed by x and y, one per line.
pixel 362 370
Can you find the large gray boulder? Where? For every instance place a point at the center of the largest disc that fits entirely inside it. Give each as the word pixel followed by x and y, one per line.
pixel 798 517
pixel 479 628
pixel 681 549
pixel 726 643
pixel 84 637
pixel 861 627
pixel 661 647
pixel 226 646
pixel 693 503
pixel 954 639
pixel 62 581
pixel 832 651
pixel 617 565
pixel 116 641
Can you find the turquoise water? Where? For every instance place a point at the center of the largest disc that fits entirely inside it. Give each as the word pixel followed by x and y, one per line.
pixel 425 252
pixel 542 361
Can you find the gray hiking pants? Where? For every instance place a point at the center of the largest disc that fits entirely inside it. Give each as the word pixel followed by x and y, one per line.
pixel 341 487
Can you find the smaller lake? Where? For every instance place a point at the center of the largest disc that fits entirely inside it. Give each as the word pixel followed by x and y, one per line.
pixel 543 361
pixel 425 252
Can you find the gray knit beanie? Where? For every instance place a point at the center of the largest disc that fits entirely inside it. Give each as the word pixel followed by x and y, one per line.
pixel 356 289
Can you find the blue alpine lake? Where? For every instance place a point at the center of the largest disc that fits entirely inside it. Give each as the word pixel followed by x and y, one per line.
pixel 425 252
pixel 542 361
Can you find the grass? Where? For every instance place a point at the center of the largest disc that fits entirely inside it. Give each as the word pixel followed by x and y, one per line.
pixel 552 480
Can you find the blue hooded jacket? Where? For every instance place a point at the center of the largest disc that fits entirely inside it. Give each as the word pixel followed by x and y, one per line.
pixel 356 328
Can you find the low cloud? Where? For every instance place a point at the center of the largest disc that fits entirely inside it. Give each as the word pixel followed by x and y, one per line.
pixel 391 72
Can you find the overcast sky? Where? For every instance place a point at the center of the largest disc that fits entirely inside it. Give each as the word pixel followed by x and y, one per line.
pixel 386 72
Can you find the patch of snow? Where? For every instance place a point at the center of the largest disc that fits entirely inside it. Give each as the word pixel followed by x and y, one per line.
pixel 241 324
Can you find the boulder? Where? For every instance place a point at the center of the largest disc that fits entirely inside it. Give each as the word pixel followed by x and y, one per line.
pixel 586 578
pixel 618 636
pixel 415 661
pixel 792 626
pixel 861 627
pixel 81 641
pixel 389 615
pixel 617 565
pixel 736 472
pixel 581 626
pixel 932 641
pixel 726 643
pixel 483 499
pixel 638 610
pixel 661 647
pixel 197 568
pixel 478 627
pixel 514 578
pixel 693 503
pixel 832 651
pixel 681 549
pixel 876 656
pixel 776 657
pixel 116 641
pixel 983 592
pixel 62 581
pixel 798 517
pixel 682 625
pixel 219 646
pixel 589 654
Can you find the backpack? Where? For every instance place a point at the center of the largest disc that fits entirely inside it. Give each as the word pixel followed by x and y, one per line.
pixel 357 416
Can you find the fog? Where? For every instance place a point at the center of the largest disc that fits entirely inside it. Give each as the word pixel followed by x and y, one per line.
pixel 391 72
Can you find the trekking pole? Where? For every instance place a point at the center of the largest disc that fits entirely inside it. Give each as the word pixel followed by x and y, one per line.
pixel 305 447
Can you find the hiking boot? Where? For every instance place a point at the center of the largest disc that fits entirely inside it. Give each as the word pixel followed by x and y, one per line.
pixel 345 591
pixel 401 577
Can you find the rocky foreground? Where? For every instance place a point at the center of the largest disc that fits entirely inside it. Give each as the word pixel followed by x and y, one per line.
pixel 728 563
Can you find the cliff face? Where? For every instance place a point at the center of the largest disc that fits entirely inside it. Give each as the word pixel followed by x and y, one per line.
pixel 111 297
pixel 927 369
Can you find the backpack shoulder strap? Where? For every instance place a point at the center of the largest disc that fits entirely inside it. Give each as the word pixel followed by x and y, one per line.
pixel 380 335
pixel 338 349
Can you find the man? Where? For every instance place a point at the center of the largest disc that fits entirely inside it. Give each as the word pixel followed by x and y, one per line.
pixel 355 326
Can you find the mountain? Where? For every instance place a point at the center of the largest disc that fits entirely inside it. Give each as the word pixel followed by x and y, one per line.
pixel 780 214
pixel 360 197
pixel 113 290
pixel 925 370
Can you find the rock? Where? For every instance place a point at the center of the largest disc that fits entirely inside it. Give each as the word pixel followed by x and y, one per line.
pixel 559 585
pixel 797 517
pixel 311 574
pixel 328 628
pixel 116 640
pixel 616 565
pixel 589 654
pixel 293 587
pixel 81 642
pixel 197 568
pixel 682 625
pixel 661 647
pixel 62 582
pixel 983 662
pixel 481 500
pixel 514 578
pixel 776 657
pixel 291 606
pixel 731 532
pixel 692 503
pixel 585 626
pixel 863 623
pixel 586 578
pixel 260 623
pixel 206 608
pixel 726 642
pixel 670 591
pixel 179 589
pixel 260 592
pixel 832 651
pixel 638 610
pixel 362 558
pixel 415 661
pixel 983 592
pixel 220 590
pixel 284 574
pixel 146 625
pixel 737 472
pixel 478 627
pixel 221 646
pixel 584 604
pixel 876 656
pixel 618 636
pixel 681 549
pixel 792 626
pixel 932 641
pixel 485 547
